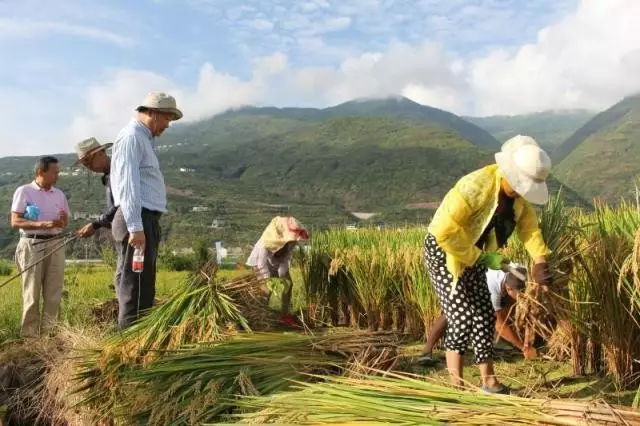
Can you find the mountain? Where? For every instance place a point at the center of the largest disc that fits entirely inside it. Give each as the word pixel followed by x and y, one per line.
pixel 280 119
pixel 601 158
pixel 400 107
pixel 392 157
pixel 549 128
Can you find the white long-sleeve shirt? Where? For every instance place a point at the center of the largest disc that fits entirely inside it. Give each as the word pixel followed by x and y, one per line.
pixel 267 264
pixel 136 179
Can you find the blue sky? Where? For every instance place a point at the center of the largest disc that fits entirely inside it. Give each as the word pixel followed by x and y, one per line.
pixel 76 68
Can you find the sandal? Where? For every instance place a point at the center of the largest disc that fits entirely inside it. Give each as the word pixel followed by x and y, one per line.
pixel 426 360
pixel 500 390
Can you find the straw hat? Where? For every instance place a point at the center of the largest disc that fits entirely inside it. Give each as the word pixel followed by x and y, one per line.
pixel 526 167
pixel 162 102
pixel 281 230
pixel 88 147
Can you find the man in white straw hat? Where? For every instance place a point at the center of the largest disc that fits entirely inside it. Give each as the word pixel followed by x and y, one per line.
pixel 140 194
pixel 475 219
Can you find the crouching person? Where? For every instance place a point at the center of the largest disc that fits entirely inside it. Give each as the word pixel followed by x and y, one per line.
pixel 271 256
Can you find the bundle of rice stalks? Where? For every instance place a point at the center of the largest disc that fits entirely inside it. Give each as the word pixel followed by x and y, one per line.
pixel 198 384
pixel 34 379
pixel 376 281
pixel 203 311
pixel 539 312
pixel 411 400
pixel 327 295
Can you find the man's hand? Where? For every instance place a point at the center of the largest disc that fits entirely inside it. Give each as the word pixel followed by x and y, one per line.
pixel 529 352
pixel 63 217
pixel 137 240
pixel 51 224
pixel 85 231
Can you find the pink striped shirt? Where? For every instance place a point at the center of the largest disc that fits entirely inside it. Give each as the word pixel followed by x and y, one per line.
pixel 49 201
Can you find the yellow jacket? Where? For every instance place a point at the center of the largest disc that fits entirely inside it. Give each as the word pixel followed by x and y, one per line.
pixel 466 211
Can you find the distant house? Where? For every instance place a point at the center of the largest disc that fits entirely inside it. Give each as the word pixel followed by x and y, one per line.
pixel 200 209
pixel 182 251
pixel 236 251
pixel 217 224
pixel 186 170
pixel 80 215
pixel 351 227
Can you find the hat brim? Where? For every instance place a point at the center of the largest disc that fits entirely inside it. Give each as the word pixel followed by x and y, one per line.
pixel 533 191
pixel 175 111
pixel 92 151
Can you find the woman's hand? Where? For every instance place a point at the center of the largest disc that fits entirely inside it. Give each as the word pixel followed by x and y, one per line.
pixel 541 274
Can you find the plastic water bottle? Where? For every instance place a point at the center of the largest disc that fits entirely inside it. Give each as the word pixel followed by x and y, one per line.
pixel 137 263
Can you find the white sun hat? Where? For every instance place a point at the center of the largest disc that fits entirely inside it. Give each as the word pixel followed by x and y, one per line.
pixel 526 167
pixel 161 102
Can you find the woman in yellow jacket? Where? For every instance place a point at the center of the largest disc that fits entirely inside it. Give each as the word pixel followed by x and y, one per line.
pixel 476 218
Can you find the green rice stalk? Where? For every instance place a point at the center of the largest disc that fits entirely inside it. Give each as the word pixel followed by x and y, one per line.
pixel 412 400
pixel 199 383
pixel 202 311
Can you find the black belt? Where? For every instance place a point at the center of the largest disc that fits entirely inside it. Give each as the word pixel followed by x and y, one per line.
pixel 38 236
pixel 154 213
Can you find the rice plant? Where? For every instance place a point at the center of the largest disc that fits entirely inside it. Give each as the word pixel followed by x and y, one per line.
pixel 202 311
pixel 411 400
pixel 198 383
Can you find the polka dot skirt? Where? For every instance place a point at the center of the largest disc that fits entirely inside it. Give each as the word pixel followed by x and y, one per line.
pixel 470 316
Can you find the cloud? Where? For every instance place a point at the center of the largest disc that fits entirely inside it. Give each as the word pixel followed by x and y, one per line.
pixel 590 59
pixel 26 28
pixel 261 24
pixel 422 73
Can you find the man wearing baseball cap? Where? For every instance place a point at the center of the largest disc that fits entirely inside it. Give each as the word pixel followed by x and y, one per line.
pixel 140 195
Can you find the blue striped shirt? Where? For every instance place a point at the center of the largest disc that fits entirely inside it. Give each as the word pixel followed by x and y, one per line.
pixel 136 179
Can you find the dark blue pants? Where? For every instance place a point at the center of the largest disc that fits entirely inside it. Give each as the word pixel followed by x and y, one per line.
pixel 135 291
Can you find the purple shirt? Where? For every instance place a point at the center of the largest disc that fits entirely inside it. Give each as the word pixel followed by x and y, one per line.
pixel 49 201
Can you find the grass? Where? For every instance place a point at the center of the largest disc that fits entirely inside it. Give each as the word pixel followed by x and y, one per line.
pixel 84 287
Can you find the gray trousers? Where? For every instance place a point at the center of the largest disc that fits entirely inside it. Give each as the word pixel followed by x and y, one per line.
pixel 135 291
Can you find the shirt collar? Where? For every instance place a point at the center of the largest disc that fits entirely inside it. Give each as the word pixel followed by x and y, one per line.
pixel 37 187
pixel 144 128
